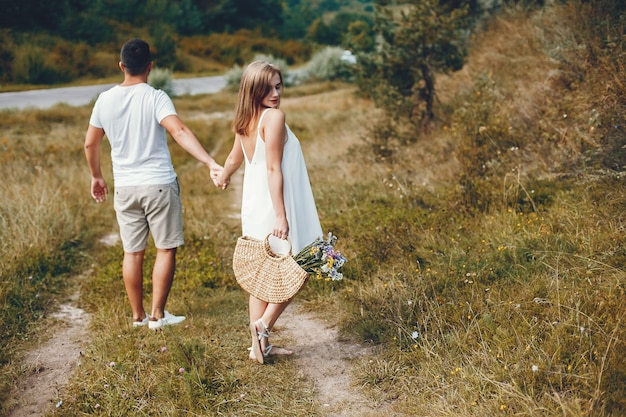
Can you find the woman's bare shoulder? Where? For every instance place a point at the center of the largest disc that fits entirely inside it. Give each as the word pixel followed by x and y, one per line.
pixel 274 115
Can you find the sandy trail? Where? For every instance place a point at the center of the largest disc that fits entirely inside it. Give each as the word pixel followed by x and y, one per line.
pixel 51 364
pixel 324 359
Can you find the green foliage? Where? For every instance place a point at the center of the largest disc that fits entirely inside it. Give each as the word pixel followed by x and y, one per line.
pixel 163 46
pixel 485 143
pixel 333 32
pixel 6 55
pixel 238 48
pixel 186 36
pixel 415 44
pixel 359 37
pixel 30 67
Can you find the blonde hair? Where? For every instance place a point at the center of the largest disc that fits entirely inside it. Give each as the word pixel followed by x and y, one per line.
pixel 253 88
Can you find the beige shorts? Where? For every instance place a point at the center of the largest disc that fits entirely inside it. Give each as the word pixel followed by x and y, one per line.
pixel 149 208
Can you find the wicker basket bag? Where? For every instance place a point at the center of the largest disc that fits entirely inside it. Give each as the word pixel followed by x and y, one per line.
pixel 264 274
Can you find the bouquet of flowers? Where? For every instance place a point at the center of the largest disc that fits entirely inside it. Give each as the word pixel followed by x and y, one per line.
pixel 320 258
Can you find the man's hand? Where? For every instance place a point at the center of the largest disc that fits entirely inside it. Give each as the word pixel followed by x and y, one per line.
pixel 217 175
pixel 99 189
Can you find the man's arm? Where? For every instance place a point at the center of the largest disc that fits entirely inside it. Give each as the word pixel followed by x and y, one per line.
pixel 189 142
pixel 93 139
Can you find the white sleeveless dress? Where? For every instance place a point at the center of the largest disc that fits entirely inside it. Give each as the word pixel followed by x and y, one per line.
pixel 257 210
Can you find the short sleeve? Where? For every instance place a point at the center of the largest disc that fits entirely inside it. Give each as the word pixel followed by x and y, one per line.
pixel 94 120
pixel 164 106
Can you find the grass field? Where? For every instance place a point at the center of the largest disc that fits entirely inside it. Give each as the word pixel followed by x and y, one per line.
pixel 486 260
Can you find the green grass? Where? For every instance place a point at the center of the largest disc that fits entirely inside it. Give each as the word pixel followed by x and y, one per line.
pixel 200 367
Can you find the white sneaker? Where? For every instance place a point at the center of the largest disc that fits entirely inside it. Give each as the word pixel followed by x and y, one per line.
pixel 168 320
pixel 142 322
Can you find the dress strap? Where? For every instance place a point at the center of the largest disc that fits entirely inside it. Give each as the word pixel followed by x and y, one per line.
pixel 261 118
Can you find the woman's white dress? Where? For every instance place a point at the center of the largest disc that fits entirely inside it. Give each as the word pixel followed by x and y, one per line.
pixel 257 211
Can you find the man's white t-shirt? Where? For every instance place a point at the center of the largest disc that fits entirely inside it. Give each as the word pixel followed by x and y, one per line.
pixel 130 117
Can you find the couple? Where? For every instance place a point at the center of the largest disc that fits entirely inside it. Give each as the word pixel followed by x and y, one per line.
pixel 277 197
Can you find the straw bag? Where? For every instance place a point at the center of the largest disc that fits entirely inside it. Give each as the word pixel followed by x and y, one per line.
pixel 264 274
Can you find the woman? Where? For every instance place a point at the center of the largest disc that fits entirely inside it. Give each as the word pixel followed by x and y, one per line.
pixel 277 196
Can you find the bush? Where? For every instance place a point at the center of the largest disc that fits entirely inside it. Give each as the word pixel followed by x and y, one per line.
pixel 30 67
pixel 327 65
pixel 161 79
pixel 238 47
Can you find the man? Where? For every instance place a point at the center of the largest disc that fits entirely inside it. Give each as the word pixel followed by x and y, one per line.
pixel 134 116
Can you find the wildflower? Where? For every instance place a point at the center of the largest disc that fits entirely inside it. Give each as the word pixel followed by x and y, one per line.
pixel 163 349
pixel 112 364
pixel 320 259
pixel 534 368
pixel 181 370
pixel 415 335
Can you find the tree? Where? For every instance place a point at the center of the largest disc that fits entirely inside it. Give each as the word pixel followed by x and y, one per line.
pixel 415 40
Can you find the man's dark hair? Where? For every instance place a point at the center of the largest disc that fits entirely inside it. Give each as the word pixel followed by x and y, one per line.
pixel 135 56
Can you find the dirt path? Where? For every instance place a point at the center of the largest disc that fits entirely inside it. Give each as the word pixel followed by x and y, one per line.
pixel 51 364
pixel 319 353
pixel 324 359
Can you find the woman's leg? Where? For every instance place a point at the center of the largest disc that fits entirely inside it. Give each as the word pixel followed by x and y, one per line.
pixel 268 313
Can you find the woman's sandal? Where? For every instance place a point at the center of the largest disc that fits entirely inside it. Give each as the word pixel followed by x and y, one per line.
pixel 259 352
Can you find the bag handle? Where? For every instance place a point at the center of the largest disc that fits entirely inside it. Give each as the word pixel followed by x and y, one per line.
pixel 273 254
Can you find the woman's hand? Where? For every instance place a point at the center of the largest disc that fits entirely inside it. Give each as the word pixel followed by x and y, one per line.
pixel 281 228
pixel 222 181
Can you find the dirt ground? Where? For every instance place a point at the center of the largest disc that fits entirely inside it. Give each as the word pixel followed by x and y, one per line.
pixel 51 364
pixel 324 359
pixel 319 354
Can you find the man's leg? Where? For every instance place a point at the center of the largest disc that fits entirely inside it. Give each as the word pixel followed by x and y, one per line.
pixel 132 272
pixel 162 278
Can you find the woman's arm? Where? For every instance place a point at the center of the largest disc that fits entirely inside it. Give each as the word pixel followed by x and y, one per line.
pixel 274 133
pixel 232 164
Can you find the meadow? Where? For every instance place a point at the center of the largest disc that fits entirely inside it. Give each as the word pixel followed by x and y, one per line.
pixel 486 258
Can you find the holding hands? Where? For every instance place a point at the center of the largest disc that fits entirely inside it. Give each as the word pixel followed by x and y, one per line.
pixel 216 171
pixel 222 180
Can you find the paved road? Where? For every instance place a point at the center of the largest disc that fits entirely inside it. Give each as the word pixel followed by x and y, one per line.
pixel 79 96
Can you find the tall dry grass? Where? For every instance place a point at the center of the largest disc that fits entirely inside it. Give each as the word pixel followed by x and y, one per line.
pixel 515 307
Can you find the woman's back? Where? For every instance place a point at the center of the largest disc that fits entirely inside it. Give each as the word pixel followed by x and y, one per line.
pixel 257 211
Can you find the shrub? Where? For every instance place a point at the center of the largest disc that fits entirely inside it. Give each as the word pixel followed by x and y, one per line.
pixel 327 65
pixel 30 66
pixel 162 79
